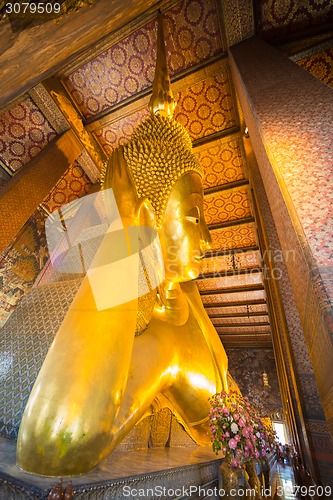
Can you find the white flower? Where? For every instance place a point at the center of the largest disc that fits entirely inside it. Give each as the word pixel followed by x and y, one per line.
pixel 258 434
pixel 234 428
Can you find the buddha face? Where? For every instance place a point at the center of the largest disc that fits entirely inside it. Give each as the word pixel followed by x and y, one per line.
pixel 184 235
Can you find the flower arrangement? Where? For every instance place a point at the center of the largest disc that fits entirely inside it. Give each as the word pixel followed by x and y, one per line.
pixel 236 428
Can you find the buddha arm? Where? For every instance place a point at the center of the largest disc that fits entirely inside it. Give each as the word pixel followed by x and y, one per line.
pixel 67 421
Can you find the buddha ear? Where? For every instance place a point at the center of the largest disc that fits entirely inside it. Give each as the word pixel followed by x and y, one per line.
pixel 145 213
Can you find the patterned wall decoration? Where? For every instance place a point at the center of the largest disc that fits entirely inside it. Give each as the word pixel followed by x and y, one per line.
pixel 284 17
pixel 246 367
pixel 206 107
pixel 24 132
pixel 320 65
pixel 21 263
pixel 71 186
pixel 233 297
pixel 191 34
pixel 226 282
pixel 233 237
pixel 227 205
pixel 230 262
pixel 222 163
pixel 119 132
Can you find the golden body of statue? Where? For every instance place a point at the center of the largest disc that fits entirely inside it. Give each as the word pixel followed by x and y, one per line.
pixel 99 379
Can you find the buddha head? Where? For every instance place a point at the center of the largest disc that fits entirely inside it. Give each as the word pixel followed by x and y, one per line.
pixel 167 173
pixel 157 179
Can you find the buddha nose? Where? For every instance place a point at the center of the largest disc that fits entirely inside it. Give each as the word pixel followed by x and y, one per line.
pixel 206 239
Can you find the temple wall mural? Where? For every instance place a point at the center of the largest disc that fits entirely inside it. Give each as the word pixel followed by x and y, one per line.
pixel 25 257
pixel 21 263
pixel 247 368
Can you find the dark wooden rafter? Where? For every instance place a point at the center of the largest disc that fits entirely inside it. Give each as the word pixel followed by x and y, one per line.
pixel 240 325
pixel 238 315
pixel 215 136
pixel 233 272
pixel 229 223
pixel 249 302
pixel 237 289
pixel 227 186
pixel 230 251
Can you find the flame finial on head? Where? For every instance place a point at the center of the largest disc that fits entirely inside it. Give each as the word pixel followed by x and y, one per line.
pixel 162 101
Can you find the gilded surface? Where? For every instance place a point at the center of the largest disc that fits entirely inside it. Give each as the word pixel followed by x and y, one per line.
pixel 99 379
pixel 70 431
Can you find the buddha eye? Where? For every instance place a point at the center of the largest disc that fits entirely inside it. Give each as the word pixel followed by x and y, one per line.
pixel 195 220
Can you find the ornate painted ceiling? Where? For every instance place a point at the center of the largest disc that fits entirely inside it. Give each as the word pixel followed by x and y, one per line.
pixel 99 90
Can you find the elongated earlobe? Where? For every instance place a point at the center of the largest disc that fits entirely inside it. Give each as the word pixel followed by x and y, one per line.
pixel 145 214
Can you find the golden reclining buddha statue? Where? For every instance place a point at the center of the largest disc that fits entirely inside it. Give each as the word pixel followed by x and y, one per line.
pixel 106 368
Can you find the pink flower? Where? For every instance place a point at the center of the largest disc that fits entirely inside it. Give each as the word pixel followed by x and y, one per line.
pixel 232 444
pixel 263 452
pixel 246 432
pixel 257 454
pixel 236 416
pixel 226 410
pixel 234 462
pixel 237 438
pixel 241 422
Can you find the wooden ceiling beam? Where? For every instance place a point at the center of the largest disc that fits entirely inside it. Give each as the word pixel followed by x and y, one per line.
pixel 233 272
pixel 244 335
pixel 227 186
pixel 240 325
pixel 248 288
pixel 221 134
pixel 238 315
pixel 230 251
pixel 235 222
pixel 247 344
pixel 250 302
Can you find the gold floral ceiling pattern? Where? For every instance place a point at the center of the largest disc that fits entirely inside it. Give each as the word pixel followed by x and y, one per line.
pixel 223 163
pixel 192 34
pixel 24 132
pixel 227 205
pixel 234 237
pixel 320 65
pixel 206 107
